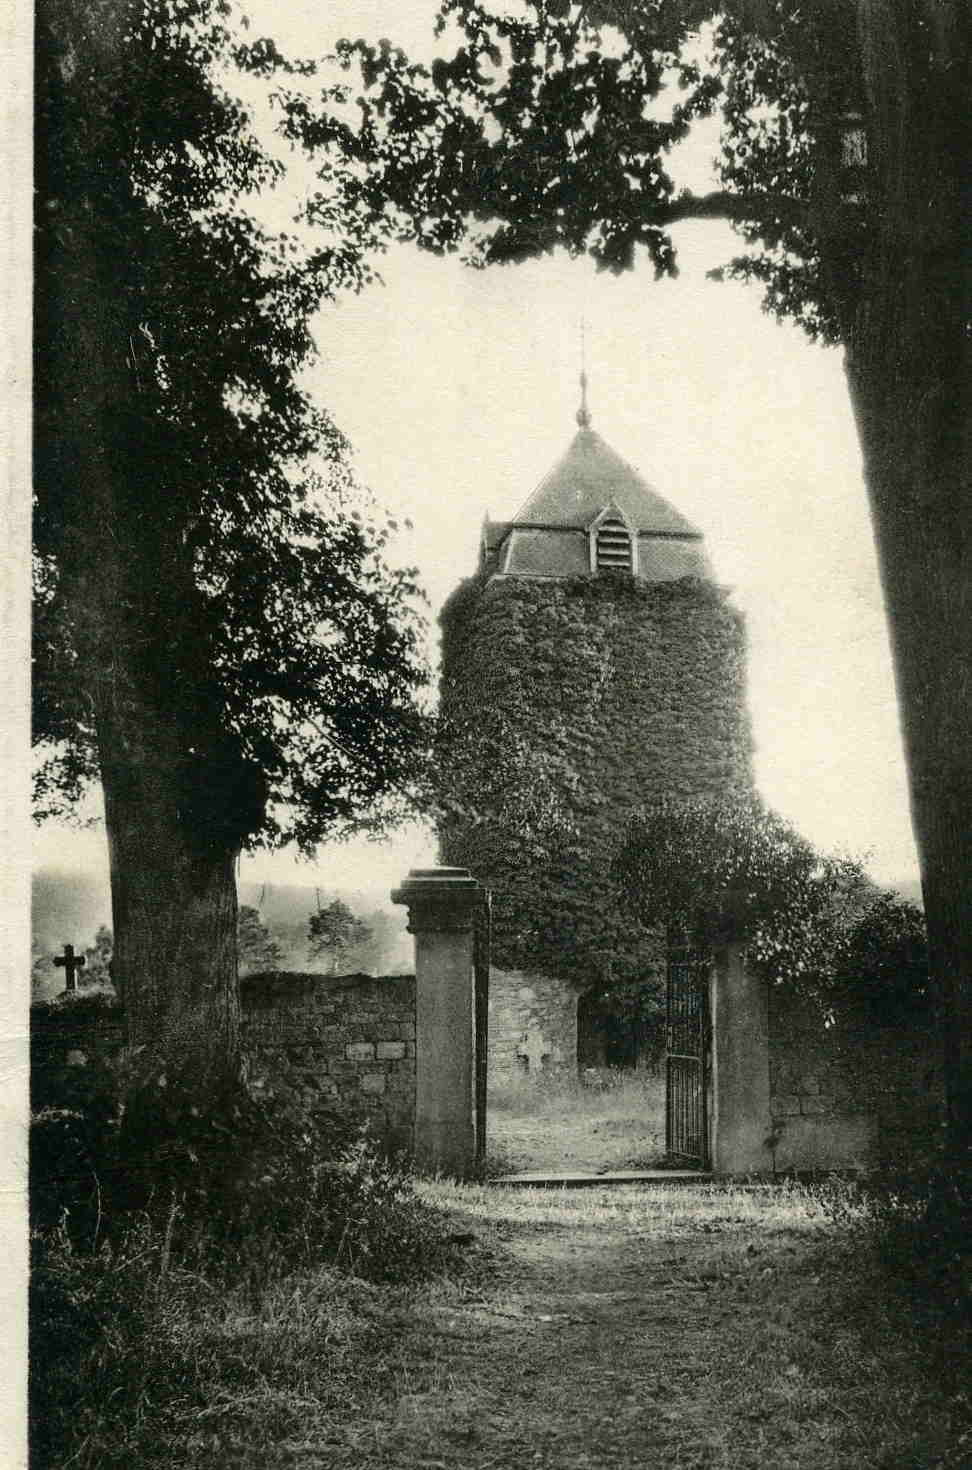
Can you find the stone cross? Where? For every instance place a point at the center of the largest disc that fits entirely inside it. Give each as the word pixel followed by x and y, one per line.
pixel 70 963
pixel 534 1046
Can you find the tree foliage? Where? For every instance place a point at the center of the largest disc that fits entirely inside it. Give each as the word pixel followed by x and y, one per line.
pixel 882 965
pixel 706 864
pixel 97 969
pixel 335 933
pixel 553 126
pixel 42 972
pixel 713 870
pixel 256 947
pixel 250 604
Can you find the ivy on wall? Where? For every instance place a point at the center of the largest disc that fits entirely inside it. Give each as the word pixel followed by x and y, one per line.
pixel 565 705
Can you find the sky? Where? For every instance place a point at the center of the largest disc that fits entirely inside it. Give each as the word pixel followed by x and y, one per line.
pixel 458 390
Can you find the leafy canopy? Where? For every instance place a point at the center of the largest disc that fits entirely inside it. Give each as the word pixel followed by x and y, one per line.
pixel 552 125
pixel 242 572
pixel 712 869
pixel 97 969
pixel 334 931
pixel 255 946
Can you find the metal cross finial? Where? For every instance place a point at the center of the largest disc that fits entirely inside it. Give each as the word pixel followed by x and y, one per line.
pixel 71 963
pixel 583 413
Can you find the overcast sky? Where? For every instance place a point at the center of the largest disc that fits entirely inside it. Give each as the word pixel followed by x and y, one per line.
pixel 458 390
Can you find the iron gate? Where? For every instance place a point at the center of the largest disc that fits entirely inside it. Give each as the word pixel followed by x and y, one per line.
pixel 686 1060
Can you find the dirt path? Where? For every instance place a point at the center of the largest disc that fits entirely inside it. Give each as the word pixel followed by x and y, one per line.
pixel 589 1361
pixel 615 1336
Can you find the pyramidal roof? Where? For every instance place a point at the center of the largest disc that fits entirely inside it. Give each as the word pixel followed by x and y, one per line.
pixel 589 477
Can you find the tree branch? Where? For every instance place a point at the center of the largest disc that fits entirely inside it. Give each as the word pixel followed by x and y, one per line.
pixel 735 207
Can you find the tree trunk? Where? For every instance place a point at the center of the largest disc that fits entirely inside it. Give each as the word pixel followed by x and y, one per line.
pixel 174 909
pixel 923 554
pixel 179 797
pixel 909 365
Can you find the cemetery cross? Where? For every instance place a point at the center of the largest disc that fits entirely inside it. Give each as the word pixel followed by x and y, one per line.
pixel 71 963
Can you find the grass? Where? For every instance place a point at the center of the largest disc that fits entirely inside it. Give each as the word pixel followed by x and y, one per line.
pixel 180 1371
pixel 594 1329
pixel 779 1339
pixel 557 1122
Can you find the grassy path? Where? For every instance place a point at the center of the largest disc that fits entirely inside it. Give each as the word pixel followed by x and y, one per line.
pixel 563 1126
pixel 644 1328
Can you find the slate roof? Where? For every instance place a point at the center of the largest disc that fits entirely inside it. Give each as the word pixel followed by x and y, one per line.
pixel 494 533
pixel 591 476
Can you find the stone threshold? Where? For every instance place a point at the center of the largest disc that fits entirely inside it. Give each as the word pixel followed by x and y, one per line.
pixel 586 1178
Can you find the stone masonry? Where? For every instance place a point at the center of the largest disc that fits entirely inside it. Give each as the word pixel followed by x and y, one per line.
pixel 349 1038
pixel 851 1092
pixel 532 1024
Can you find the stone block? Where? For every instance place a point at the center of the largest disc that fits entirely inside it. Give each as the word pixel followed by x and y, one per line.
pixel 832 1142
pixel 360 1051
pixel 390 1051
pixel 373 1083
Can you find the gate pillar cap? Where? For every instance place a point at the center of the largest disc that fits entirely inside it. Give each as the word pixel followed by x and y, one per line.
pixel 438 891
pixel 420 881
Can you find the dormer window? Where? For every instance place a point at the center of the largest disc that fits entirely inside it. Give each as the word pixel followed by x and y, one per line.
pixel 612 545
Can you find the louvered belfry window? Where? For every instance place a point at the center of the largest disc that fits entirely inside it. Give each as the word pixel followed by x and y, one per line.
pixel 613 546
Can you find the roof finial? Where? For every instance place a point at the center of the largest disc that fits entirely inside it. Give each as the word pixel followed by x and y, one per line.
pixel 583 413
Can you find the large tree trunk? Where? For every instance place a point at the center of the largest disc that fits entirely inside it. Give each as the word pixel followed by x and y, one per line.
pixel 174 909
pixel 909 365
pixel 179 797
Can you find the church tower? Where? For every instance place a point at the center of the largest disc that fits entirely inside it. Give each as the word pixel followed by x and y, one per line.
pixel 589 666
pixel 593 513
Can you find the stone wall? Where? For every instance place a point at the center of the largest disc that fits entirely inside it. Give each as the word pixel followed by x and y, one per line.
pixel 857 1092
pixel 351 1038
pixel 532 1025
pixel 87 1031
pixel 347 1038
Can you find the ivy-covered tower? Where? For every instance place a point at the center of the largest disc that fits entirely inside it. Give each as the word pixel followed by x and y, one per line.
pixel 590 665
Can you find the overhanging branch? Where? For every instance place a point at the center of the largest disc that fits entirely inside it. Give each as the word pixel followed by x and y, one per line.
pixel 737 208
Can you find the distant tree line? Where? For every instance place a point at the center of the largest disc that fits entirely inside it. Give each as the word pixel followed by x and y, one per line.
pixel 333 935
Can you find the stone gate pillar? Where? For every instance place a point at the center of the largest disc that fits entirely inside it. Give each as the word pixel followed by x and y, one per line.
pixel 739 1124
pixel 442 904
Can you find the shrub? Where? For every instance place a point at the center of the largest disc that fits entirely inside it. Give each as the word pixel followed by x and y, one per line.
pixel 152 1199
pixel 92 1348
pixel 709 869
pixel 917 1220
pixel 379 1229
pixel 245 1186
pixel 881 965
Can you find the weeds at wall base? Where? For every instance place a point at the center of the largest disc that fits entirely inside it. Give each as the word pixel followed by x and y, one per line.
pixel 158 1209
